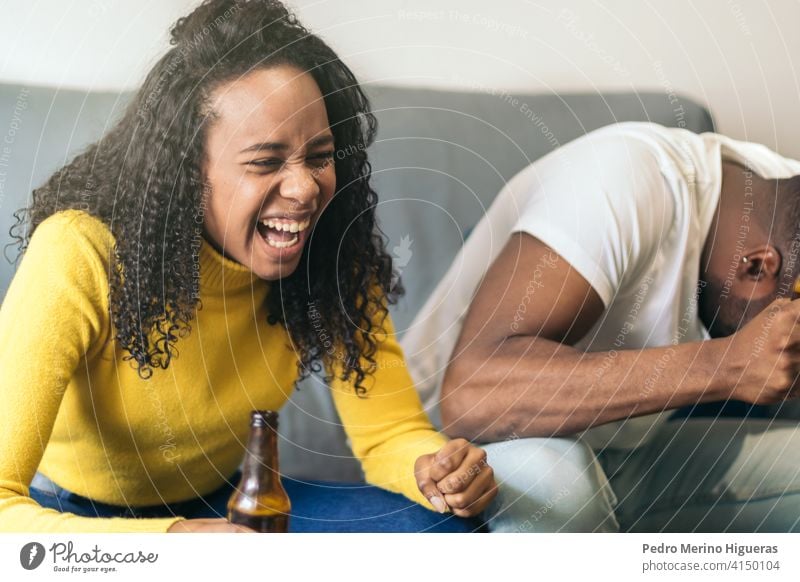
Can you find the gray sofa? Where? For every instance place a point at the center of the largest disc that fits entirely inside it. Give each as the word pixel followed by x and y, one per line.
pixel 439 160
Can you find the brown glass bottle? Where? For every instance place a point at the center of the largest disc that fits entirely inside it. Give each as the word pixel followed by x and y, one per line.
pixel 260 502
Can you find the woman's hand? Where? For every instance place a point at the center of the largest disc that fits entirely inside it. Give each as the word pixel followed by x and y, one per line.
pixel 458 477
pixel 207 526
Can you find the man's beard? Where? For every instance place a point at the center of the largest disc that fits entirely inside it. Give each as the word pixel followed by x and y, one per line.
pixel 725 314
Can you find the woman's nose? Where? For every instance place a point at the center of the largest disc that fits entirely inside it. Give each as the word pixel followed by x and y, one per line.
pixel 299 184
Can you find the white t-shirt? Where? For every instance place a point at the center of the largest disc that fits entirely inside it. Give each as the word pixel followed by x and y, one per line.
pixel 629 207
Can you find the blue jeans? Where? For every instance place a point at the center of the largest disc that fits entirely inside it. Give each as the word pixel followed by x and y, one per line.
pixel 695 475
pixel 317 506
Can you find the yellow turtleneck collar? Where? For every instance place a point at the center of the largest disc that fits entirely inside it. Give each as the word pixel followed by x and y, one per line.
pixel 219 273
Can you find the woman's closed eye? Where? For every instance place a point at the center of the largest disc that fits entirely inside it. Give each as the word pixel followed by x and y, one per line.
pixel 267 163
pixel 320 159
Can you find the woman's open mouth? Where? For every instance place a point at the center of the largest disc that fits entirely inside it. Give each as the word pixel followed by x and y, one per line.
pixel 282 234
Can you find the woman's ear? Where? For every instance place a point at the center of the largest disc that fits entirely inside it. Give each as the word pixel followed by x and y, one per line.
pixel 761 264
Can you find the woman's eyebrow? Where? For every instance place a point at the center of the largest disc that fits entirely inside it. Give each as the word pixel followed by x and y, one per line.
pixel 322 140
pixel 265 146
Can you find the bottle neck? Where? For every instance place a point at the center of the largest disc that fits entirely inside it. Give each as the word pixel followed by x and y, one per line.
pixel 261 459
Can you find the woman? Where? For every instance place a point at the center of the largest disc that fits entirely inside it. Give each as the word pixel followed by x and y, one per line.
pixel 191 266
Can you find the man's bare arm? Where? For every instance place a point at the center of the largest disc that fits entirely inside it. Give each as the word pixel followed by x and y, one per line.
pixel 514 371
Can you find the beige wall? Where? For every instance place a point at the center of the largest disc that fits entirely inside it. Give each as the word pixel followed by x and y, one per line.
pixel 736 56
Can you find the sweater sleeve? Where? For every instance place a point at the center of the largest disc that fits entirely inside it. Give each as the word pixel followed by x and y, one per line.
pixel 53 314
pixel 388 428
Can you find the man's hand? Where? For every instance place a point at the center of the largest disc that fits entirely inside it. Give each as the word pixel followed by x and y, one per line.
pixel 458 477
pixel 207 526
pixel 764 355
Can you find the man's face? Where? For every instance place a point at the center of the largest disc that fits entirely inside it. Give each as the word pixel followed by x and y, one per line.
pixel 740 265
pixel 269 168
pixel 723 313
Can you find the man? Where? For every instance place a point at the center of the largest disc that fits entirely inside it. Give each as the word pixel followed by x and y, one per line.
pixel 634 271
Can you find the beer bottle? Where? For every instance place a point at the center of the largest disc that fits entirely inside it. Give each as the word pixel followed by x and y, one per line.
pixel 260 501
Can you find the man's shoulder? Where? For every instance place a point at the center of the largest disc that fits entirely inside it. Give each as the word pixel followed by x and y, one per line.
pixel 641 129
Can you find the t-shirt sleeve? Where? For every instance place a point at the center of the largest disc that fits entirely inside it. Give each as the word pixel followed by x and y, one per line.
pixel 52 315
pixel 603 205
pixel 388 428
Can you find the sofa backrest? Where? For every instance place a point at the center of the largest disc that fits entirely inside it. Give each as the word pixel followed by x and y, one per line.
pixel 42 129
pixel 439 160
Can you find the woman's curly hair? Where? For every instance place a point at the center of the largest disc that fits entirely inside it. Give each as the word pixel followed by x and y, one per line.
pixel 144 179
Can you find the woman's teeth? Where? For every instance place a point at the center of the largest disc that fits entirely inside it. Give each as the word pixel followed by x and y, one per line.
pixel 284 225
pixel 282 244
pixel 277 231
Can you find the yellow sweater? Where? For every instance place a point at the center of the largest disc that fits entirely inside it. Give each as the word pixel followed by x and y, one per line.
pixel 72 408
